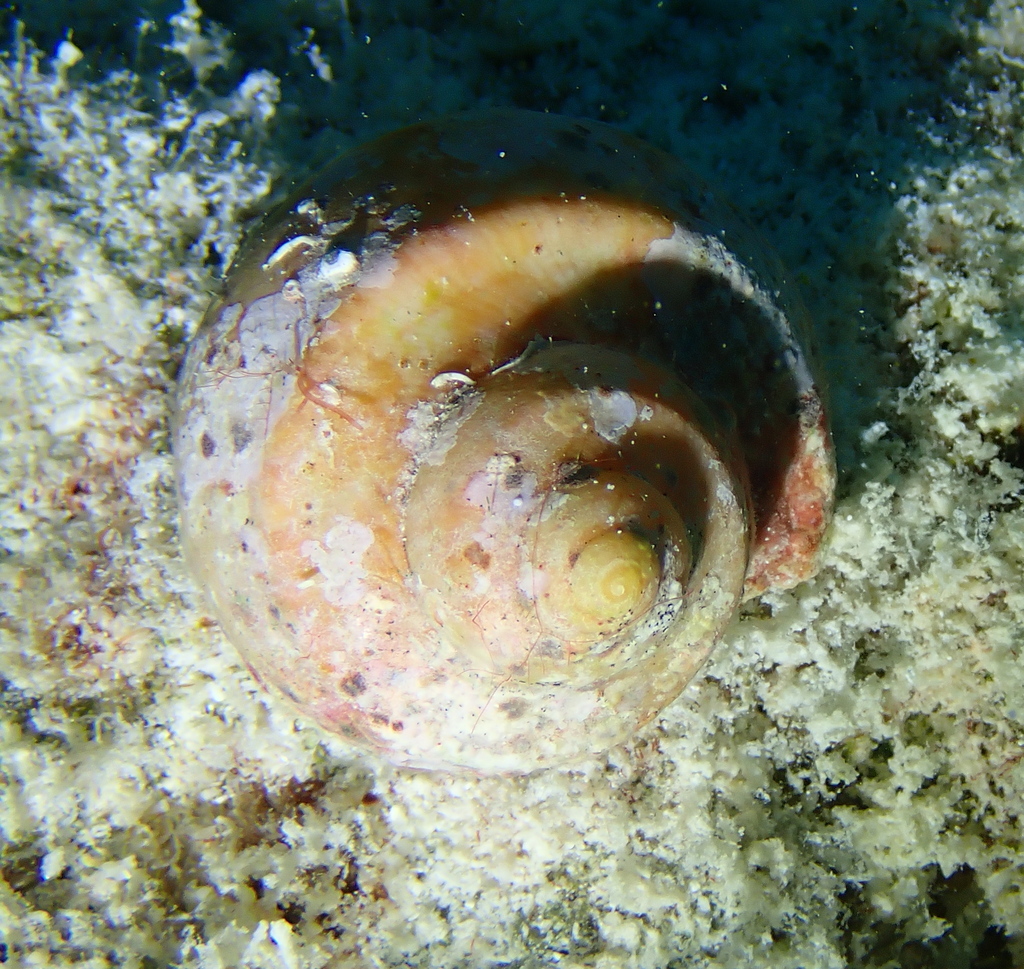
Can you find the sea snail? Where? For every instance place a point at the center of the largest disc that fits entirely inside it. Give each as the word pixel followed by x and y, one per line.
pixel 494 424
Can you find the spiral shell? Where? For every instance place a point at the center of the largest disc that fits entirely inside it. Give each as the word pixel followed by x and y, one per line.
pixel 494 425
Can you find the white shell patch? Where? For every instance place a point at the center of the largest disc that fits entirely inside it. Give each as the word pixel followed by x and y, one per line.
pixel 613 411
pixel 339 560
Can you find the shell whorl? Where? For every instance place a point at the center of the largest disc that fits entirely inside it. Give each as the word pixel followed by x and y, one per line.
pixel 570 525
pixel 488 436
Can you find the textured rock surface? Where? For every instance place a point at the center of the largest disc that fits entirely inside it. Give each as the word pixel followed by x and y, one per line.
pixel 840 787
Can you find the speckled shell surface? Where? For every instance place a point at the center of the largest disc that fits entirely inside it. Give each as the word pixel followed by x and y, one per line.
pixel 494 424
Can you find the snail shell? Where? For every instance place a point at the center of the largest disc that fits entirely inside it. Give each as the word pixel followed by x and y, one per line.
pixel 489 433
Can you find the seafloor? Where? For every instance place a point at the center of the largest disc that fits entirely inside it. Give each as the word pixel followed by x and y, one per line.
pixel 841 786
